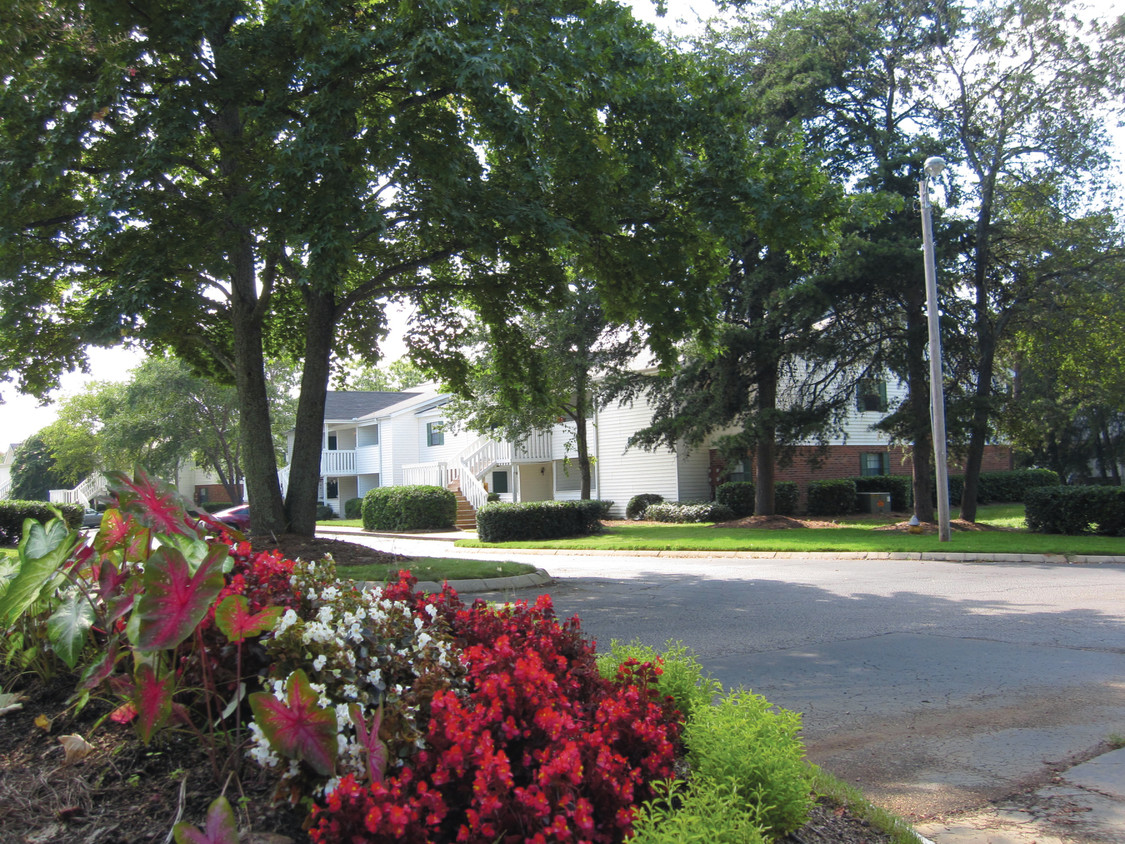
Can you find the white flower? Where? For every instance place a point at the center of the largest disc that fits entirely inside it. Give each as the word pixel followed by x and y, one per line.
pixel 287 621
pixel 319 662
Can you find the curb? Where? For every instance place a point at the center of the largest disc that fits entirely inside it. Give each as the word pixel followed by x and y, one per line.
pixel 539 577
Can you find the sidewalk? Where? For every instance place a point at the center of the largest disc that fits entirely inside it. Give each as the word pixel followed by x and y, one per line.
pixel 1083 804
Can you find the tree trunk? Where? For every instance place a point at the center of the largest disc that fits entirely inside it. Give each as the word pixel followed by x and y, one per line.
pixel 978 430
pixel 918 404
pixel 259 461
pixel 765 449
pixel 302 497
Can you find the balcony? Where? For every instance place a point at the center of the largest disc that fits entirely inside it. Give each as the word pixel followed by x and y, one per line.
pixel 338 462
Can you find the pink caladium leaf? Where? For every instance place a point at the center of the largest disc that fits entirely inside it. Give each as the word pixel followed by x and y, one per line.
pixel 153 701
pixel 173 600
pixel 98 671
pixel 237 622
pixel 220 828
pixel 153 503
pixel 298 727
pixel 369 740
pixel 114 530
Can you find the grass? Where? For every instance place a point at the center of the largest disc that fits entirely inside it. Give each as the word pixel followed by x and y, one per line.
pixel 855 535
pixel 437 569
pixel 842 794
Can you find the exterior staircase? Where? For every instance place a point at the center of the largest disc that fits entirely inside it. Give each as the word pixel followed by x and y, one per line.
pixel 466 513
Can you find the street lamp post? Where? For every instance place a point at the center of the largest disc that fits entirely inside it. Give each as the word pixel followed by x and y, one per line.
pixel 933 168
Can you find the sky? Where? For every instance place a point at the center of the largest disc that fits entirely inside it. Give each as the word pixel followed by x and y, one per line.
pixel 21 416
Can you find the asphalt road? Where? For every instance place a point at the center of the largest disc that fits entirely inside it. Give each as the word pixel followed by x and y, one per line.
pixel 934 687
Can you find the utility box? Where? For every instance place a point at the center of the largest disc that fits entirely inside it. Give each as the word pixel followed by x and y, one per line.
pixel 873 502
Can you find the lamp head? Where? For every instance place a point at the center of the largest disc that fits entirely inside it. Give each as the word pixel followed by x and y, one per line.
pixel 934 166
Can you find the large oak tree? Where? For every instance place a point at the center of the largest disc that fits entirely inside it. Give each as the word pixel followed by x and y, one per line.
pixel 231 179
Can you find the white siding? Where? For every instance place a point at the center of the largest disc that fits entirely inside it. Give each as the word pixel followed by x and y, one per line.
pixel 624 472
pixel 693 467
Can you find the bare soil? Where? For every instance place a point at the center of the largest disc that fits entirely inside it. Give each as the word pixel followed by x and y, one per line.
pixel 124 792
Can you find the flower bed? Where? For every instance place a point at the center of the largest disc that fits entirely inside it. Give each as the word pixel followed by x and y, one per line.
pixel 390 714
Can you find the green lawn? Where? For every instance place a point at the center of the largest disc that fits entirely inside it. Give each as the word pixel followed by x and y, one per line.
pixel 856 534
pixel 437 569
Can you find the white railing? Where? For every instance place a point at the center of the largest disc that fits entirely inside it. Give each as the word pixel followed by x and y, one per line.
pixel 82 494
pixel 473 490
pixel 283 480
pixel 486 452
pixel 5 489
pixel 428 474
pixel 534 448
pixel 337 462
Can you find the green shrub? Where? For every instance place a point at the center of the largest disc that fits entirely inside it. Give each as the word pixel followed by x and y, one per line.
pixel 1004 487
pixel 1076 509
pixel 689 512
pixel 353 508
pixel 409 508
pixel 742 739
pixel 900 487
pixel 604 505
pixel 637 505
pixel 682 679
pixel 703 811
pixel 324 513
pixel 738 496
pixel 786 496
pixel 14 512
pixel 503 521
pixel 832 497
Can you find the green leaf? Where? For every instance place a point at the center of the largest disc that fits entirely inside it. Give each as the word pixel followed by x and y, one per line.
pixel 42 552
pixel 298 727
pixel 173 600
pixel 68 627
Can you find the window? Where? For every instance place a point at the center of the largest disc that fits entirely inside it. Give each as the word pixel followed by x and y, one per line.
pixel 333 442
pixel 435 433
pixel 874 463
pixel 499 482
pixel 741 471
pixel 331 488
pixel 871 395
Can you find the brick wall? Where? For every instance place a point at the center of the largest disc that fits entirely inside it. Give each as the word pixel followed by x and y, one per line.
pixel 843 461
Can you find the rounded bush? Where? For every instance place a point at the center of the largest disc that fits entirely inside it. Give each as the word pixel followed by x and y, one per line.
pixel 786 495
pixel 637 505
pixel 353 508
pixel 507 522
pixel 738 496
pixel 689 513
pixel 409 508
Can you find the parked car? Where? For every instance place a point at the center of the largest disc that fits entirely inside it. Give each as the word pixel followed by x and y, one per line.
pixel 237 517
pixel 92 519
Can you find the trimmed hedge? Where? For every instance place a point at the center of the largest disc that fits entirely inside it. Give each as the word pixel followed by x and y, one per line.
pixel 786 496
pixel 415 507
pixel 901 488
pixel 325 513
pixel 1004 487
pixel 1076 509
pixel 503 521
pixel 738 496
pixel 637 505
pixel 832 497
pixel 689 512
pixel 353 508
pixel 14 512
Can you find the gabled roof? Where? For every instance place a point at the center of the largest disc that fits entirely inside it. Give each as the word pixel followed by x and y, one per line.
pixel 345 405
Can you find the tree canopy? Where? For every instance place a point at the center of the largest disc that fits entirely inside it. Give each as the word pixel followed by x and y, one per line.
pixel 230 178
